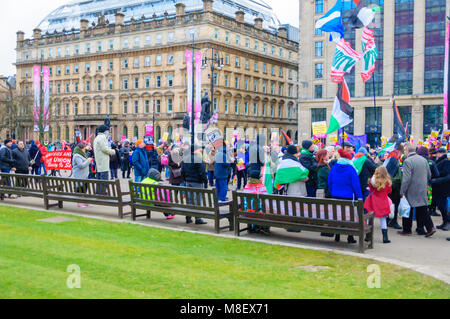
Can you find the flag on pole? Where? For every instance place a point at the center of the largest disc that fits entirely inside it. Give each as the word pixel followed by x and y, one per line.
pixel 399 128
pixel 332 22
pixel 342 114
pixel 344 60
pixel 370 54
pixel 267 178
pixel 362 16
pixel 288 139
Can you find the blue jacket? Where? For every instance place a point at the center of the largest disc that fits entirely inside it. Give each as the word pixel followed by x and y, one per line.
pixel 222 164
pixel 343 181
pixel 140 162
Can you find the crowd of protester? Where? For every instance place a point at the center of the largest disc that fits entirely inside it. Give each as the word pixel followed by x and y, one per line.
pixel 381 179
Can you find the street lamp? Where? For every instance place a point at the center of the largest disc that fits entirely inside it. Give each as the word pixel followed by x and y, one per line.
pixel 216 63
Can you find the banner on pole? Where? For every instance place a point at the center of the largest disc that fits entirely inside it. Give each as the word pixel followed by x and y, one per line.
pixel 190 89
pixel 37 95
pixel 59 160
pixel 446 76
pixel 198 86
pixel 149 130
pixel 46 92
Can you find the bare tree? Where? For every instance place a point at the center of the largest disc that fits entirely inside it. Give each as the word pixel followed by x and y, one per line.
pixel 17 114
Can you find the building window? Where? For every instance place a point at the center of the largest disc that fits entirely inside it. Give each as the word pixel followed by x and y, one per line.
pixel 77 49
pixel 318 91
pixel 111 44
pixel 147 61
pixel 99 108
pixel 227 37
pixel 88 86
pixel 432 118
pixel 125 44
pixel 111 65
pixel 256 45
pixel 215 105
pixel 136 41
pixel 280 112
pixel 110 84
pixel 255 109
pixel 264 110
pixel 125 107
pixel 158 106
pixel 110 107
pixel 158 60
pixel 170 80
pixel 247 65
pixel 75 85
pixel 237 62
pixel 246 108
pixel 158 38
pixel 319 70
pixel 67 69
pixel 136 131
pixel 125 63
pixel 88 48
pixel 226 106
pixel 255 66
pixel 236 107
pixel 67 87
pixel 125 84
pixel 158 81
pixel 125 131
pixel 271 110
pixel 373 125
pixel 216 34
pixel 147 82
pixel 169 106
pixel 87 108
pixel 319 49
pixel 227 81
pixel 99 47
pixel 319 6
pixel 147 106
pixel 170 37
pixel 147 40
pixel 255 85
pixel 136 107
pixel 67 133
pixel 136 83
pixel 170 59
pixel 236 82
pixel 136 62
pixel 75 109
pixel 237 40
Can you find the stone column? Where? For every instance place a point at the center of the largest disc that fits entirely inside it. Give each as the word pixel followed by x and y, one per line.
pixel 387 120
pixel 417 119
pixel 419 47
pixel 359 120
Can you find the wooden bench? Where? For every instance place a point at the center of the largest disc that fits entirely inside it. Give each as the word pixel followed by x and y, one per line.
pixel 302 213
pixel 89 191
pixel 176 200
pixel 25 186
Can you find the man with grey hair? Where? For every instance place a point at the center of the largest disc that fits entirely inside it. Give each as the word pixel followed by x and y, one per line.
pixel 416 178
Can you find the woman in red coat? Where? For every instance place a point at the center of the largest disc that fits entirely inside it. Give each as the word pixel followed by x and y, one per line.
pixel 380 187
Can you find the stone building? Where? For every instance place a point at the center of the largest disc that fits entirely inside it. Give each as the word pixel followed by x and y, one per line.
pixel 127 58
pixel 410 37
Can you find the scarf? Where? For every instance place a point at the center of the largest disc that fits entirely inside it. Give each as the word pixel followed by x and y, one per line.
pixel 78 151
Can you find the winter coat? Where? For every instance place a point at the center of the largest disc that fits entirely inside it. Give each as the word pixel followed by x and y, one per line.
pixel 343 181
pixel 367 172
pixel 308 161
pixel 125 158
pixel 193 172
pixel 22 160
pixel 35 154
pixel 441 184
pixel 102 152
pixel 140 162
pixel 222 166
pixel 44 152
pixel 153 160
pixel 322 179
pixel 296 184
pixel 6 158
pixel 80 165
pixel 175 167
pixel 114 160
pixel 378 201
pixel 416 178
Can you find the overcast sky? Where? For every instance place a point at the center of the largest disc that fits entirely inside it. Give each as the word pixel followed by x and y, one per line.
pixel 25 15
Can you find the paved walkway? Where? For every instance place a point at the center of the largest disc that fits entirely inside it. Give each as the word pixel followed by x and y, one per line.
pixel 430 256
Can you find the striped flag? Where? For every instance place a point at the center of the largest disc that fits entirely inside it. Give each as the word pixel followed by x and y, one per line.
pixel 362 16
pixel 344 60
pixel 342 114
pixel 332 22
pixel 370 54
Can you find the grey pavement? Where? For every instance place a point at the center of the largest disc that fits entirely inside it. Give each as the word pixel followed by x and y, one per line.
pixel 430 256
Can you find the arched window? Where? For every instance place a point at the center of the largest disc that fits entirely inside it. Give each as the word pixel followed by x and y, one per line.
pixel 50 134
pixel 58 133
pixel 136 131
pixel 170 131
pixel 67 133
pixel 125 131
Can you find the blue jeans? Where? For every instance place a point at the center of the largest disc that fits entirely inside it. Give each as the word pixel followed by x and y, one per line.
pixel 42 167
pixel 311 190
pixel 103 176
pixel 211 178
pixel 114 174
pixel 222 189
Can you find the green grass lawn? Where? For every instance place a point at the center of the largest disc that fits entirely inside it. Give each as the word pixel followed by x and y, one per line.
pixel 120 260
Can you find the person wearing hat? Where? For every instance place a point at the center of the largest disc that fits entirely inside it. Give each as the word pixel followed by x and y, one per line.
pixel 367 171
pixel 140 162
pixel 349 148
pixel 308 160
pixel 6 157
pixel 441 186
pixel 102 152
pixel 125 151
pixel 153 178
pixel 255 186
pixel 343 183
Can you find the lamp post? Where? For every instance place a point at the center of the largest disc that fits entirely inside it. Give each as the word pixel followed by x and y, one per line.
pixel 216 62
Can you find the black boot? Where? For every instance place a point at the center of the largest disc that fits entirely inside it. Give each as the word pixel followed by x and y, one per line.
pixel 199 221
pixel 351 240
pixel 337 238
pixel 188 220
pixel 394 224
pixel 385 236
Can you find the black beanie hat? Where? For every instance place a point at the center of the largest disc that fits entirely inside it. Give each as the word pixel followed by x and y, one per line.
pixel 7 141
pixel 307 144
pixel 292 149
pixel 255 174
pixel 103 129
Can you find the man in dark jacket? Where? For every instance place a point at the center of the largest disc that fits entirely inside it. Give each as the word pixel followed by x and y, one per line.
pixel 194 174
pixel 21 159
pixel 125 160
pixel 308 161
pixel 6 157
pixel 35 155
pixel 222 169
pixel 441 186
pixel 367 172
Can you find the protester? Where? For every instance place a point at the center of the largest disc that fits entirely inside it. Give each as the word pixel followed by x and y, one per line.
pixel 241 166
pixel 291 175
pixel 7 163
pixel 378 201
pixel 80 167
pixel 416 178
pixel 343 183
pixel 392 165
pixel 255 186
pixel 21 159
pixel 114 162
pixel 222 168
pixel 210 165
pixel 367 171
pixel 140 162
pixel 175 161
pixel 35 155
pixel 194 173
pixel 441 186
pixel 323 171
pixel 308 161
pixel 102 152
pixel 125 164
pixel 153 178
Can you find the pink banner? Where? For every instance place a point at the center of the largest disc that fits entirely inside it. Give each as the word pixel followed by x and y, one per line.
pixel 446 70
pixel 149 130
pixel 46 92
pixel 198 86
pixel 190 89
pixel 37 95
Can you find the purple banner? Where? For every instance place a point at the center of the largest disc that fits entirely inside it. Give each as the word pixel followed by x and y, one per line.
pixel 190 89
pixel 198 86
pixel 37 95
pixel 46 92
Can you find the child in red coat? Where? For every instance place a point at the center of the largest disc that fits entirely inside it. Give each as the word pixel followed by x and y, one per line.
pixel 380 187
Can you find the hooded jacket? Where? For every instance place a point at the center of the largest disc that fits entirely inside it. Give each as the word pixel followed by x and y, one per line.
pixel 441 184
pixel 102 152
pixel 6 158
pixel 140 162
pixel 343 180
pixel 21 160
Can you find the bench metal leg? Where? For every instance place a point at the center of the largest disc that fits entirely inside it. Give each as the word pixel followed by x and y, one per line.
pixel 231 221
pixel 361 243
pixel 237 231
pixel 133 213
pixel 120 212
pixel 149 214
pixel 60 205
pixel 217 225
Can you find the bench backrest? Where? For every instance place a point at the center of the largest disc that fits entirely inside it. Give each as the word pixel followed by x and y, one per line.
pixel 84 188
pixel 174 196
pixel 30 183
pixel 310 210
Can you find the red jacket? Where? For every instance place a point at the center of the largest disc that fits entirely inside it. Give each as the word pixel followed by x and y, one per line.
pixel 378 201
pixel 44 152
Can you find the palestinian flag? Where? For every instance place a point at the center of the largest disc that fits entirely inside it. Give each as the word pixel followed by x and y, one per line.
pixel 342 114
pixel 288 139
pixel 386 150
pixel 399 128
pixel 370 54
pixel 267 178
pixel 362 16
pixel 358 162
pixel 344 60
pixel 290 171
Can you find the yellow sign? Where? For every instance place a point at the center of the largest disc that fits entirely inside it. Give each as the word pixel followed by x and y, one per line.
pixel 333 139
pixel 435 134
pixel 319 128
pixel 316 141
pixel 165 136
pixel 447 132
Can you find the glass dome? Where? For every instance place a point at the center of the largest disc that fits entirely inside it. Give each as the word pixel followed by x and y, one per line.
pixel 68 16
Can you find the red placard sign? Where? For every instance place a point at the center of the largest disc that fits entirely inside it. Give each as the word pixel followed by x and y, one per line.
pixel 59 160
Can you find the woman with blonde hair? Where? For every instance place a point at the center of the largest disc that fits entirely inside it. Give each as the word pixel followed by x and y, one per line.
pixel 380 186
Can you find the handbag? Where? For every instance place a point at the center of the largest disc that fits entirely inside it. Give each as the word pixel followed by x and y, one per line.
pixel 404 208
pixel 33 161
pixel 392 207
